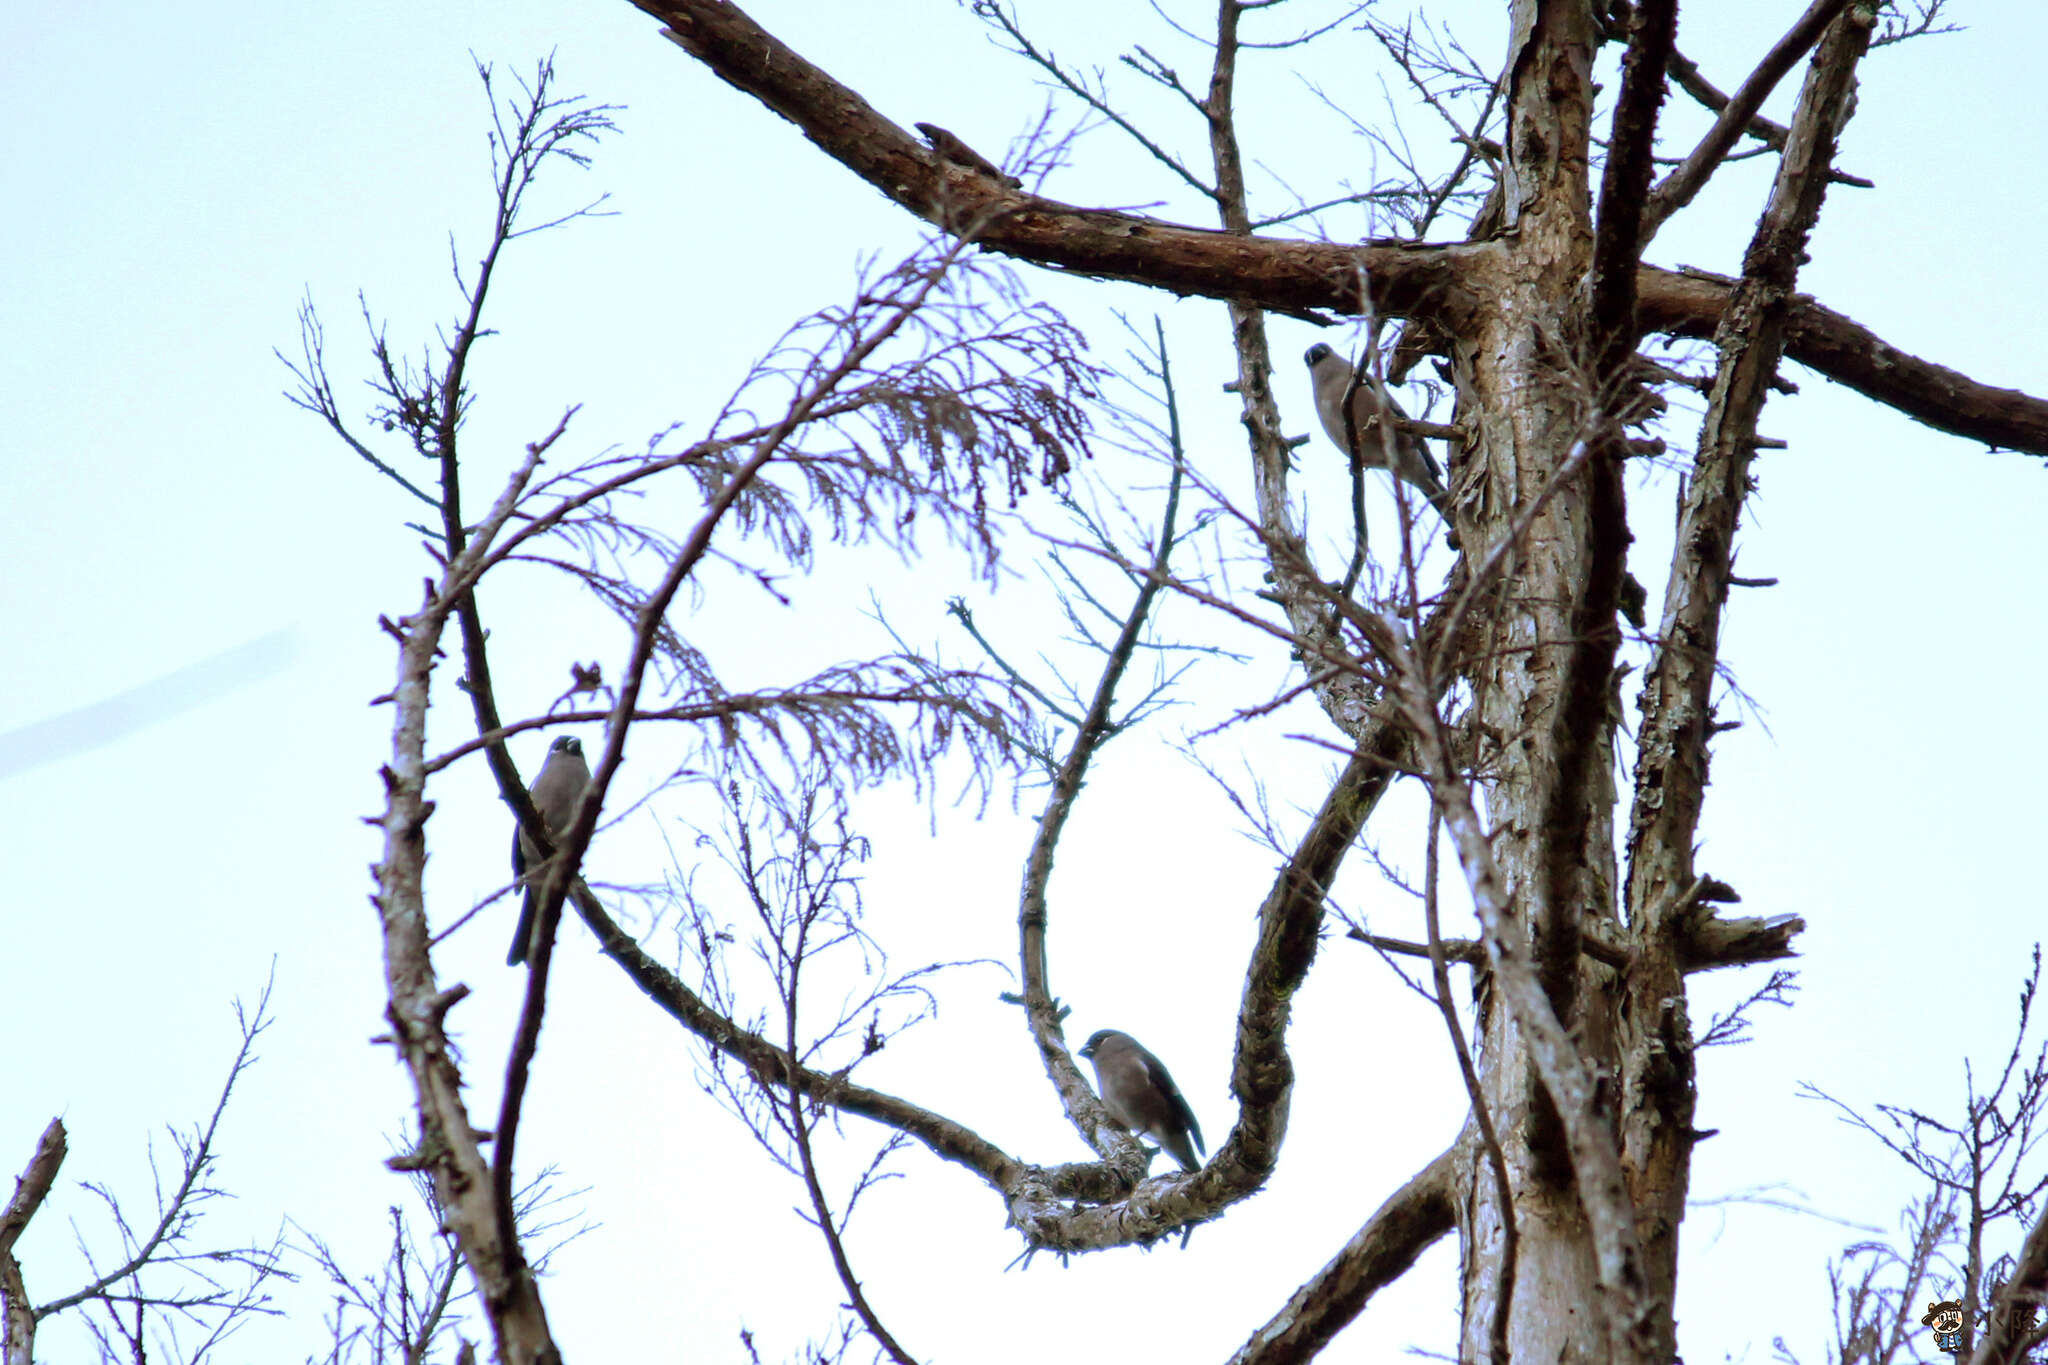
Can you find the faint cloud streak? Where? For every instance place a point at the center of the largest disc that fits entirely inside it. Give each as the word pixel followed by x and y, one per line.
pixel 151 703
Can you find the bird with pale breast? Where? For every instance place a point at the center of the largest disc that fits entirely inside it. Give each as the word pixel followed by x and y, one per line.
pixel 1381 444
pixel 1140 1095
pixel 556 791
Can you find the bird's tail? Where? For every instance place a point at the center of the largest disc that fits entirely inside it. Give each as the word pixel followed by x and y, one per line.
pixel 517 953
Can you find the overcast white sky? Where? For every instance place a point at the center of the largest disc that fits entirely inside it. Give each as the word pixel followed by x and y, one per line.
pixel 178 178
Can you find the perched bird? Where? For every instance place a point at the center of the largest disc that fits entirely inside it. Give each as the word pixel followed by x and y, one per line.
pixel 1331 374
pixel 1141 1096
pixel 555 794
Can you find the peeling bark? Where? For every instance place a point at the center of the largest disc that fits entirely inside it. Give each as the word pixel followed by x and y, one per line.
pixel 1535 384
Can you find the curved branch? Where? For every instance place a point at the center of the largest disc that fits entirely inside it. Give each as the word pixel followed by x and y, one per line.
pixel 1095 729
pixel 1041 1199
pixel 1290 926
pixel 1291 918
pixel 773 1065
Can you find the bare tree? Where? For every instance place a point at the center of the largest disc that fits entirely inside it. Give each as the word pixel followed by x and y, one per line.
pixel 167 1291
pixel 170 1292
pixel 932 399
pixel 940 389
pixel 405 1308
pixel 1983 1188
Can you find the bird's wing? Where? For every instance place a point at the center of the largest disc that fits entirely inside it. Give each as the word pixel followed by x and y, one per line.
pixel 1176 1102
pixel 1186 1116
pixel 1436 471
pixel 1410 441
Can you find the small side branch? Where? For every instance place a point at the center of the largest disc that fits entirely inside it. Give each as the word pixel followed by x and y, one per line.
pixel 1098 101
pixel 1687 75
pixel 1677 189
pixel 1496 1158
pixel 1707 941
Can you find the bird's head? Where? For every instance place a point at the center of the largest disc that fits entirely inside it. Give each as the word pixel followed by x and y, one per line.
pixel 1318 353
pixel 1096 1040
pixel 566 744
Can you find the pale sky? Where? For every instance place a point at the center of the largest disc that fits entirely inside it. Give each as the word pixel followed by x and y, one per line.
pixel 182 178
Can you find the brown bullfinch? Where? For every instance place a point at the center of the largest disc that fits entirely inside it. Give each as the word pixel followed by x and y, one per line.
pixel 1331 374
pixel 555 793
pixel 1140 1095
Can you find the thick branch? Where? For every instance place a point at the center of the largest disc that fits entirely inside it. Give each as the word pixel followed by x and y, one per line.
pixel 418 1006
pixel 1671 766
pixel 1621 232
pixel 1290 926
pixel 1112 245
pixel 1406 281
pixel 1399 1231
pixel 1692 304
